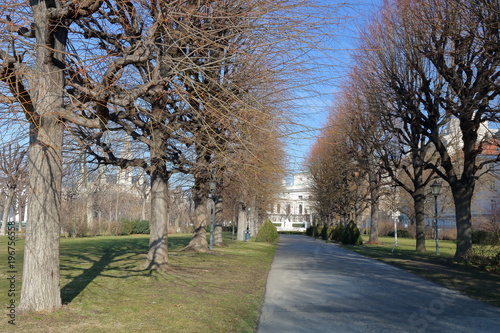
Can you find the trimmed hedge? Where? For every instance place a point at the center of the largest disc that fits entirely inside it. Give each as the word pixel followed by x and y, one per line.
pixel 401 233
pixel 483 237
pixel 267 233
pixel 290 233
pixel 135 227
pixel 337 232
pixel 310 230
pixel 317 231
pixel 351 235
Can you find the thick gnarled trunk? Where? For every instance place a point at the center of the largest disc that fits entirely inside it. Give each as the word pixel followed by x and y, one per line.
pixel 40 282
pixel 158 238
pixel 198 242
pixel 419 204
pixel 462 196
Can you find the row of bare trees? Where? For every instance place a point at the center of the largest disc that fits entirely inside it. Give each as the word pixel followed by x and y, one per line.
pixel 424 69
pixel 197 87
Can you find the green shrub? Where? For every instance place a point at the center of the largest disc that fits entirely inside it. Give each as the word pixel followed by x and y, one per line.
pixel 298 225
pixel 317 231
pixel 484 237
pixel 351 235
pixel 336 234
pixel 401 233
pixel 267 233
pixel 290 232
pixel 310 230
pixel 325 232
pixel 485 257
pixel 277 224
pixel 135 227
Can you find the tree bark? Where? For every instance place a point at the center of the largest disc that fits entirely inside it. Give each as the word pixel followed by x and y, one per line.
pixel 199 241
pixel 242 223
pixel 419 204
pixel 462 196
pixel 6 209
pixel 218 241
pixel 89 203
pixel 158 239
pixel 374 196
pixel 40 282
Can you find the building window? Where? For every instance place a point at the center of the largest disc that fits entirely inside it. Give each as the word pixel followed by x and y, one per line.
pixel 300 197
pixel 288 209
pixel 300 209
pixel 279 208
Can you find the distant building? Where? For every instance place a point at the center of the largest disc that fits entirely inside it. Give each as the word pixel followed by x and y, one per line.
pixel 293 210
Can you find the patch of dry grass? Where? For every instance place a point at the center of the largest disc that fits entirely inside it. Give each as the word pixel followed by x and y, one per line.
pixel 105 289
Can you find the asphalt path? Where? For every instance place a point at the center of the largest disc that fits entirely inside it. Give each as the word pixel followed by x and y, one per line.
pixel 318 287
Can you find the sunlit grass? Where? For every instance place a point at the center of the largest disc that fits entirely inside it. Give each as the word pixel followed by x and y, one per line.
pixel 105 289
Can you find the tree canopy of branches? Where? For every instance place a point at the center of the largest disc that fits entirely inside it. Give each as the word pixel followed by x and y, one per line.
pixel 32 51
pixel 183 79
pixel 428 68
pixel 450 46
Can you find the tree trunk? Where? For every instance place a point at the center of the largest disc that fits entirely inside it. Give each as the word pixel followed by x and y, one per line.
pixel 218 224
pixel 22 213
pixel 143 211
pixel 40 282
pixel 251 221
pixel 242 223
pixel 89 202
pixel 199 242
pixel 419 204
pixel 6 209
pixel 158 237
pixel 462 196
pixel 374 196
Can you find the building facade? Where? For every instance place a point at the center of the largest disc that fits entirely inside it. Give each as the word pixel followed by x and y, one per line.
pixel 293 209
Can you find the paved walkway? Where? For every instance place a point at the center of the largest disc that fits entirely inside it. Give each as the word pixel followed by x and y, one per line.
pixel 319 287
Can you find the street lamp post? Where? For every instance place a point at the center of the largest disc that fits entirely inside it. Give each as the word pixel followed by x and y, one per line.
pixel 212 187
pixel 247 232
pixel 436 189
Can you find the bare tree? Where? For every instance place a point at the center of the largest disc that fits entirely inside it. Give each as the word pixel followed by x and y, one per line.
pixel 32 50
pixel 452 45
pixel 339 185
pixel 389 81
pixel 12 166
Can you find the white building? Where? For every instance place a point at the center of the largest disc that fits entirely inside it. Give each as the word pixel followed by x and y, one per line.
pixel 293 209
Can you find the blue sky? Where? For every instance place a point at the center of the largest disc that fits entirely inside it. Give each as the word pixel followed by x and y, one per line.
pixel 314 110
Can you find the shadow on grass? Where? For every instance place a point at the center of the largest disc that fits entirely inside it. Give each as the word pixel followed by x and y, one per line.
pixel 113 258
pixel 470 281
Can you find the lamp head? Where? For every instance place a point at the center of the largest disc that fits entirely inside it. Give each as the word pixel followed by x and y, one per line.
pixel 436 188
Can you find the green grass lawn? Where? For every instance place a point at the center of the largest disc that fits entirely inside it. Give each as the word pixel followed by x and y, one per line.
pixel 441 269
pixel 105 289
